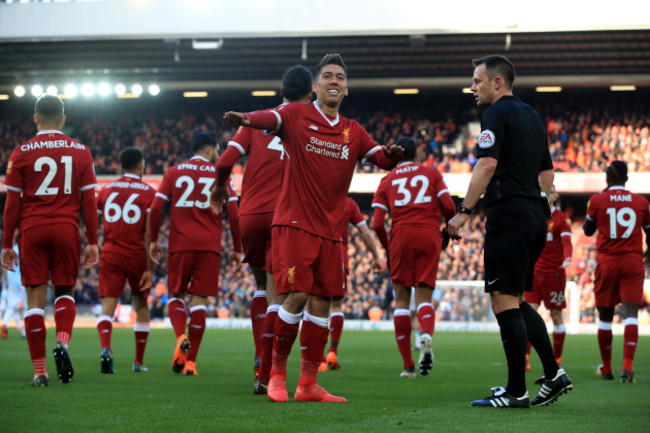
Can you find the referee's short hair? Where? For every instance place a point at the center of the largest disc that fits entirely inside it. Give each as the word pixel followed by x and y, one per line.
pixel 130 158
pixel 49 109
pixel 498 65
pixel 203 139
pixel 409 146
pixel 296 83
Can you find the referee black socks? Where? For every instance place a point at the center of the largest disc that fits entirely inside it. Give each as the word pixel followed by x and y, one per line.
pixel 515 341
pixel 538 337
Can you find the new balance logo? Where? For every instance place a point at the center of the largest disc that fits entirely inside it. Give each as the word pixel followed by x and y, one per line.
pixel 313 127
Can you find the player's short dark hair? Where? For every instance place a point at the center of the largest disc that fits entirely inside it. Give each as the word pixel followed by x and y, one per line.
pixel 49 108
pixel 203 139
pixel 616 173
pixel 409 146
pixel 130 158
pixel 296 83
pixel 331 59
pixel 498 65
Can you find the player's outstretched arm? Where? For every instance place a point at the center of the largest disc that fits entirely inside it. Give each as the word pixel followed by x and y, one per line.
pixel 235 118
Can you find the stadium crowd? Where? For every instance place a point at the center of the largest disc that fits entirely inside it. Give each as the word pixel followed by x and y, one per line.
pixel 585 132
pixel 585 135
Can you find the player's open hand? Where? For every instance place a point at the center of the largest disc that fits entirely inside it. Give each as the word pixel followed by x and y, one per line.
pixel 155 252
pixel 218 197
pixel 9 259
pixel 90 256
pixel 566 263
pixel 236 119
pixel 455 224
pixel 146 280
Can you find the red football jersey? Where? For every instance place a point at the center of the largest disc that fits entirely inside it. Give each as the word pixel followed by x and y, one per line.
pixel 50 170
pixel 352 216
pixel 124 204
pixel 263 174
pixel 553 255
pixel 320 156
pixel 620 214
pixel 410 192
pixel 193 226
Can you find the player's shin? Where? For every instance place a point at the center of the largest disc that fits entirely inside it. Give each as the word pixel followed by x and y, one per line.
pixel 313 339
pixel 286 331
pixel 266 342
pixel 35 328
pixel 65 312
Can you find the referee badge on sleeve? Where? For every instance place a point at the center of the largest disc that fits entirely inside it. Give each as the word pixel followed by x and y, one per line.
pixel 486 139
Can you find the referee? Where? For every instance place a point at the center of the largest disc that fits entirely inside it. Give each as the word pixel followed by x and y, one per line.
pixel 514 161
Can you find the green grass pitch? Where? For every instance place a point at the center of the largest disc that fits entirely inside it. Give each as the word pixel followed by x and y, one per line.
pixel 221 398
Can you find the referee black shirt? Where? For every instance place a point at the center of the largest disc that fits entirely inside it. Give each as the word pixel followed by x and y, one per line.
pixel 515 135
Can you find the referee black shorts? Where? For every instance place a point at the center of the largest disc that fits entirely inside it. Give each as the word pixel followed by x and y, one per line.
pixel 514 239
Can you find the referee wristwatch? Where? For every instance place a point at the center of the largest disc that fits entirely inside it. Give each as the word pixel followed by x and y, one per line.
pixel 463 209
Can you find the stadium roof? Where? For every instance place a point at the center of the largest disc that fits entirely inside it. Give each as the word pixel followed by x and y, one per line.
pixel 428 61
pixel 248 44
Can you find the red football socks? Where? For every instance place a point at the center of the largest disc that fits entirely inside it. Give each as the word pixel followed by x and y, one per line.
pixel 285 335
pixel 313 339
pixel 196 330
pixel 266 344
pixel 427 318
pixel 177 315
pixel 65 312
pixel 336 329
pixel 141 333
pixel 605 346
pixel 630 340
pixel 402 321
pixel 258 313
pixel 35 329
pixel 105 329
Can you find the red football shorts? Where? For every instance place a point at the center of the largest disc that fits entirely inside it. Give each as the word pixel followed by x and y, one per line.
pixel 548 288
pixel 619 279
pixel 194 272
pixel 115 269
pixel 256 239
pixel 50 252
pixel 414 255
pixel 303 262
